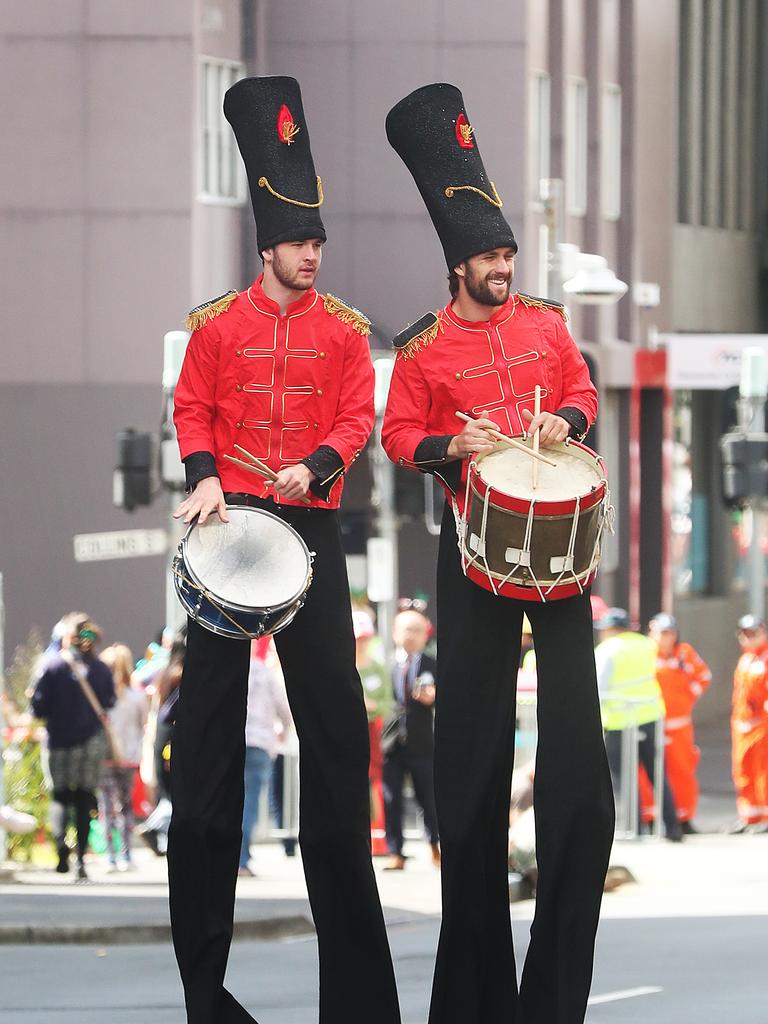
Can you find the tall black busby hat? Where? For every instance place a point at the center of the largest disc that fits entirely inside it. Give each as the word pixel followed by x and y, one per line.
pixel 431 133
pixel 267 117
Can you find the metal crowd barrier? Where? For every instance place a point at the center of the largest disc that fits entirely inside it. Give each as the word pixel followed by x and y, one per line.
pixel 266 831
pixel 628 797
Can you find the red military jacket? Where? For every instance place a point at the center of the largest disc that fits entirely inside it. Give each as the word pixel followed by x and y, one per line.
pixel 472 367
pixel 289 389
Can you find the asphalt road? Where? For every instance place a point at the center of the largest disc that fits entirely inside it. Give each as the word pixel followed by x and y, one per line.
pixel 668 971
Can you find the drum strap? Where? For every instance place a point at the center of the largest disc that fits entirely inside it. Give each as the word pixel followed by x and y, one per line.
pixel 568 560
pixel 482 548
pixel 526 550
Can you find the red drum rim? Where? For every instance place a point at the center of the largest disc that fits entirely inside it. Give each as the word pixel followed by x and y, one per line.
pixel 529 593
pixel 563 507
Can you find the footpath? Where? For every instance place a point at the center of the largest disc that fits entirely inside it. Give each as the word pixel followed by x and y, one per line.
pixel 709 874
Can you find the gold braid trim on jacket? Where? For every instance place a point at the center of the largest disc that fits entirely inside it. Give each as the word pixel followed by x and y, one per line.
pixel 200 315
pixel 347 314
pixel 534 302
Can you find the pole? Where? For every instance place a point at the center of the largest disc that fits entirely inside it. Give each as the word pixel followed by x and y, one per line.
pixel 753 390
pixel 658 775
pixel 171 467
pixel 385 518
pixel 551 196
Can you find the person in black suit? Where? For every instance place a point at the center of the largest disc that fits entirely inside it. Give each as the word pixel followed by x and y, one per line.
pixel 408 739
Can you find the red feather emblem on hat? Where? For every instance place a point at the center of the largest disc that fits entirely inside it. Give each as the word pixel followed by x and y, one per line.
pixel 287 129
pixel 464 132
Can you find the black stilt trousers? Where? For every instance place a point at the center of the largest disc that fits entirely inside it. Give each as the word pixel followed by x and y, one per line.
pixel 318 659
pixel 478 637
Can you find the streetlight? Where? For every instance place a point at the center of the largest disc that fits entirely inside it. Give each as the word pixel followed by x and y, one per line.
pixel 594 283
pixel 584 277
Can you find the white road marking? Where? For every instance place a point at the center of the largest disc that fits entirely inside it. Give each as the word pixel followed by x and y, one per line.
pixel 627 993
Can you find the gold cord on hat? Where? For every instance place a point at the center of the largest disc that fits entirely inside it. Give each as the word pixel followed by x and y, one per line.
pixel 264 183
pixel 494 201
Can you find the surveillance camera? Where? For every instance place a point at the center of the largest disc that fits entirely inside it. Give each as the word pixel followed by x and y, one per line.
pixel 594 283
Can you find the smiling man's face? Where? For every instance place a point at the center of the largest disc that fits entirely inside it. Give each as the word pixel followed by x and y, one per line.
pixel 488 276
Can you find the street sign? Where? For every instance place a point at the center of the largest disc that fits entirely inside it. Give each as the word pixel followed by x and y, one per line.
pixel 99 547
pixel 707 361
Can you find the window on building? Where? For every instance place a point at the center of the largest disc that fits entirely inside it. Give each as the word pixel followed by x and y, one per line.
pixel 539 128
pixel 610 152
pixel 576 146
pixel 220 173
pixel 720 99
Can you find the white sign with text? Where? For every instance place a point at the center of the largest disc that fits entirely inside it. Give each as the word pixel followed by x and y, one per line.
pixel 99 547
pixel 710 362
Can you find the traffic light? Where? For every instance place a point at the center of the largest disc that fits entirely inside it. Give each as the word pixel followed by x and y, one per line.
pixel 133 478
pixel 745 468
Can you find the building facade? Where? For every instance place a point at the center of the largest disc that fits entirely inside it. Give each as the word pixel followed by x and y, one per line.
pixel 124 205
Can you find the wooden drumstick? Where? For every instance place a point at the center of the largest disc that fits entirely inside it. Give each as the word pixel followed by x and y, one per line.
pixel 249 466
pixel 511 443
pixel 266 471
pixel 258 467
pixel 537 432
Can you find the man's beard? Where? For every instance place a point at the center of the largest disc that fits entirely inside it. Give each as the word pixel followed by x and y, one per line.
pixel 290 280
pixel 479 289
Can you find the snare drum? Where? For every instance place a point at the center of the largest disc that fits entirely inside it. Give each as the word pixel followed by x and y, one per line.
pixel 535 545
pixel 245 578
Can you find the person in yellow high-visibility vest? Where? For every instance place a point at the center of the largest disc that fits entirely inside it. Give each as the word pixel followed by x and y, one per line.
pixel 630 695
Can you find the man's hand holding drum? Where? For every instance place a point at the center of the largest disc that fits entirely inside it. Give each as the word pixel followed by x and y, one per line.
pixel 552 428
pixel 475 437
pixel 477 434
pixel 207 497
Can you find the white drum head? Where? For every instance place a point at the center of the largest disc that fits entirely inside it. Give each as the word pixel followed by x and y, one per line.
pixel 255 561
pixel 509 471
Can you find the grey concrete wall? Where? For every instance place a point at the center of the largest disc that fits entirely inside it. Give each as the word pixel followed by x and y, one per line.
pixel 58 456
pixel 715 280
pixel 94 237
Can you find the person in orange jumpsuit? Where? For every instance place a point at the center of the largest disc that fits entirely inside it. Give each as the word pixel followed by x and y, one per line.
pixel 683 676
pixel 749 726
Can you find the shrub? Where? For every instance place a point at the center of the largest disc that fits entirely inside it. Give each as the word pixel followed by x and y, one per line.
pixel 24 782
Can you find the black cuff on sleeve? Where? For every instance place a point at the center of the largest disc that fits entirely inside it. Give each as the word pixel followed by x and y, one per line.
pixel 327 465
pixel 198 466
pixel 433 449
pixel 577 420
pixel 431 456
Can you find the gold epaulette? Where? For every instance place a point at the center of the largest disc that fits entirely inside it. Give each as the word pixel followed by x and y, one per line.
pixel 418 335
pixel 534 302
pixel 347 314
pixel 201 314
